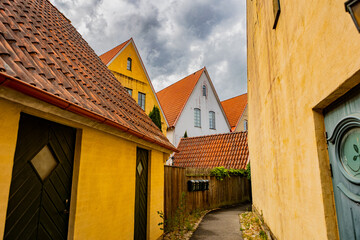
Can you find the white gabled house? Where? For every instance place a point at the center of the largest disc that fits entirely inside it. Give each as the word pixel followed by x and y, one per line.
pixel 192 105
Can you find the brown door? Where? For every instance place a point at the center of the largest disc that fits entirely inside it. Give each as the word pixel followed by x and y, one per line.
pixel 38 204
pixel 141 194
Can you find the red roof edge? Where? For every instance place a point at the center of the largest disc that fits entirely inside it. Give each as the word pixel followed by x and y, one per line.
pixel 111 57
pixel 182 108
pixel 27 89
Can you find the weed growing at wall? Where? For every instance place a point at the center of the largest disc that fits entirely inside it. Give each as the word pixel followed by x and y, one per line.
pixel 182 223
pixel 251 227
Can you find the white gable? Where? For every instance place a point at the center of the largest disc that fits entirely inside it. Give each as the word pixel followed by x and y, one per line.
pixel 205 104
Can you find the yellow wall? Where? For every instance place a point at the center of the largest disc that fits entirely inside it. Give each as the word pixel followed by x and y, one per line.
pixel 103 191
pixel 9 122
pixel 135 79
pixel 293 73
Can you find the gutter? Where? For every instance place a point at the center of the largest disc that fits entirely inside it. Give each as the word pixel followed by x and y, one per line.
pixel 27 89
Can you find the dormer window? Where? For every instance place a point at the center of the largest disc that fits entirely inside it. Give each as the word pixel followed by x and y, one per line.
pixel 204 90
pixel 129 62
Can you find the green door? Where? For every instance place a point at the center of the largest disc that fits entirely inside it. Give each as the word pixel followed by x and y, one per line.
pixel 38 204
pixel 141 194
pixel 342 122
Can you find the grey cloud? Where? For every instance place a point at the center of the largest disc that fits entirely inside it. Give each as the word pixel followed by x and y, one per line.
pixel 174 38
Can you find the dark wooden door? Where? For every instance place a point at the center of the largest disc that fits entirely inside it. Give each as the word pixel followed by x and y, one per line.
pixel 40 188
pixel 342 122
pixel 141 194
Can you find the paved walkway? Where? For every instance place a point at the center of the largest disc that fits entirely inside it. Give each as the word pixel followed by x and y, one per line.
pixel 222 224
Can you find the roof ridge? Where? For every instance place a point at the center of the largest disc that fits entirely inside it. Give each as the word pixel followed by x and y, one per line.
pixel 218 134
pixel 113 54
pixel 182 79
pixel 172 108
pixel 234 97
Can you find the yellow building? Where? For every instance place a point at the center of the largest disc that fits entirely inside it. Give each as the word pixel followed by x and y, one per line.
pixel 303 69
pixel 125 63
pixel 79 159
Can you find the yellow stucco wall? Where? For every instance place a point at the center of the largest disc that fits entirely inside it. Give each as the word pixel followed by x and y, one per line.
pixel 293 73
pixel 9 122
pixel 135 79
pixel 103 191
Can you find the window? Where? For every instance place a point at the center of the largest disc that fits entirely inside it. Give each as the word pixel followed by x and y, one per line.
pixel 204 90
pixel 212 120
pixel 129 90
pixel 141 100
pixel 245 125
pixel 197 117
pixel 129 61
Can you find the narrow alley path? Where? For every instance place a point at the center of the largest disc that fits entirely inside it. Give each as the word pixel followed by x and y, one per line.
pixel 222 224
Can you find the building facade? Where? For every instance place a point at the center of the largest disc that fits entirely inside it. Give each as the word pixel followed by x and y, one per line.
pixel 191 105
pixel 79 158
pixel 125 63
pixel 303 69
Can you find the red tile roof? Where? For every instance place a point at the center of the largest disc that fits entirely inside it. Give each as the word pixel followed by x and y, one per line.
pixel 174 97
pixel 42 55
pixel 109 55
pixel 234 108
pixel 229 150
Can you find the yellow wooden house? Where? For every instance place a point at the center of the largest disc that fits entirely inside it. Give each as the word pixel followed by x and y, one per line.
pixel 79 159
pixel 125 63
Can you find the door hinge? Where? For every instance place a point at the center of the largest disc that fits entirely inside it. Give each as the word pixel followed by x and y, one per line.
pixel 331 171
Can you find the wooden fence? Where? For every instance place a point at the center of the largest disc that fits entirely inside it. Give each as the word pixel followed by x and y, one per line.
pixel 233 190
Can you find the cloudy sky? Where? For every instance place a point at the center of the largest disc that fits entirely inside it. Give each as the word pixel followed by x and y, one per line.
pixel 174 37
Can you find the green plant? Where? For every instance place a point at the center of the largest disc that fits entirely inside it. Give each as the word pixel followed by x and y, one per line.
pixel 247 171
pixel 185 135
pixel 162 223
pixel 220 173
pixel 263 235
pixel 155 116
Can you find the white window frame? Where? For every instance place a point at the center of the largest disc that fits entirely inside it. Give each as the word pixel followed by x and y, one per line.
pixel 212 120
pixel 197 117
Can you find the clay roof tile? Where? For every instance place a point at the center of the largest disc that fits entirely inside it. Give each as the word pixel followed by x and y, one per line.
pixel 40 47
pixel 213 151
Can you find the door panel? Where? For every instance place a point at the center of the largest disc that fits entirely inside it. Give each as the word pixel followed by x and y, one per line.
pixel 41 180
pixel 342 122
pixel 141 194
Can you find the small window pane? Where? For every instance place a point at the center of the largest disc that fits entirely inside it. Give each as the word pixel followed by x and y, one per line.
pixel 197 117
pixel 141 100
pixel 212 120
pixel 129 64
pixel 204 90
pixel 129 90
pixel 245 125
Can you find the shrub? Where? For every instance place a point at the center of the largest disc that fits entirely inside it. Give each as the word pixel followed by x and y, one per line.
pixel 220 172
pixel 155 116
